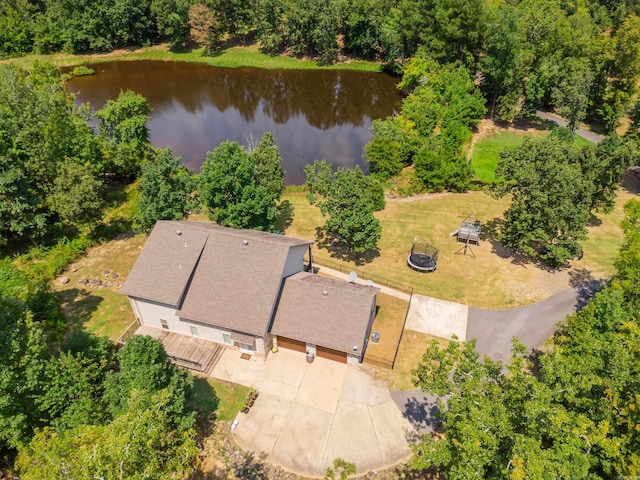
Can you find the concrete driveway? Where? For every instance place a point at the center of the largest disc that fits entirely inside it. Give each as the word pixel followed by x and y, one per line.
pixel 309 414
pixel 437 317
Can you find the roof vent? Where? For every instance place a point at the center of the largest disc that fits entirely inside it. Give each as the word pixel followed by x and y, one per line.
pixel 325 293
pixel 355 348
pixel 178 233
pixel 353 276
pixel 245 243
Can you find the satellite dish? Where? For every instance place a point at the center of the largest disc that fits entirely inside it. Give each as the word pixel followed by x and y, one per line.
pixel 353 276
pixel 369 283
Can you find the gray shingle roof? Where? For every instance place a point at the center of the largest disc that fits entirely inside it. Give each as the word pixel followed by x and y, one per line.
pixel 237 281
pixel 339 321
pixel 166 262
pixel 214 275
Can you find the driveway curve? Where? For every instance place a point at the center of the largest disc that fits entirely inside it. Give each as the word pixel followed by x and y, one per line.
pixel 532 324
pixel 493 330
pixel 558 120
pixel 308 414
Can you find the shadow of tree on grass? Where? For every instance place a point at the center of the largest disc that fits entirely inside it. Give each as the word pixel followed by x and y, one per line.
pixel 284 216
pixel 78 305
pixel 490 233
pixel 340 251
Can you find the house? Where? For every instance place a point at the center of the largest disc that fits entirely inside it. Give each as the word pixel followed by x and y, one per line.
pixel 245 289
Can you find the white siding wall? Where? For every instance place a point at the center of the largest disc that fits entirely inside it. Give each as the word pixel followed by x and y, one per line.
pixel 260 347
pixel 295 260
pixel 151 313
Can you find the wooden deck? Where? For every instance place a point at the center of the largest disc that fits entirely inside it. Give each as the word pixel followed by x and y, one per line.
pixel 189 352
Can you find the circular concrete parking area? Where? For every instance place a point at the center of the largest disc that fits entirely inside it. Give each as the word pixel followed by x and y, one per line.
pixel 308 414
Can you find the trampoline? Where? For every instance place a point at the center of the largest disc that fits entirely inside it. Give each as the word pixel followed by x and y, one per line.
pixel 423 257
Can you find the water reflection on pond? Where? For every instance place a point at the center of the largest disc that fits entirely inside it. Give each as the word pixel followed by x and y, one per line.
pixel 313 114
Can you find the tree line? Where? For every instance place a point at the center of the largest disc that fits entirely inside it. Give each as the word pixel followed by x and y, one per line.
pixel 581 58
pixel 53 166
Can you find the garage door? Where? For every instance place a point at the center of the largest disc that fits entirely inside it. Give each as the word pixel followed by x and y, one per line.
pixel 334 355
pixel 292 344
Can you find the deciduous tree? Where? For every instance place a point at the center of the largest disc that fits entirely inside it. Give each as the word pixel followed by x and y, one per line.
pixel 268 166
pixel 232 187
pixel 77 195
pixel 555 187
pixel 166 190
pixel 552 199
pixel 123 129
pixel 571 417
pixel 22 361
pixel 205 27
pixel 142 442
pixel 348 200
pixel 144 365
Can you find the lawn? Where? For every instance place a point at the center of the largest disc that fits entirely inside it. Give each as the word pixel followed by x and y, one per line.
pixel 101 309
pixel 234 56
pixel 492 279
pixel 412 348
pixel 389 322
pixel 486 151
pixel 217 399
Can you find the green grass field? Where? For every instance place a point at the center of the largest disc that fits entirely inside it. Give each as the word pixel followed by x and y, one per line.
pixel 237 56
pixel 486 152
pixel 389 322
pixel 217 399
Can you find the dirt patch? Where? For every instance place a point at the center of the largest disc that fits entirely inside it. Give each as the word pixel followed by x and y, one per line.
pixel 417 198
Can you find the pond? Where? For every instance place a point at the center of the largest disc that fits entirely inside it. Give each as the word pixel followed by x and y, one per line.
pixel 313 114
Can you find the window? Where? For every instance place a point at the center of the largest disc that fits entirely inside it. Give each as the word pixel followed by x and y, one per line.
pixel 226 338
pixel 246 346
pixel 164 323
pixel 194 330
